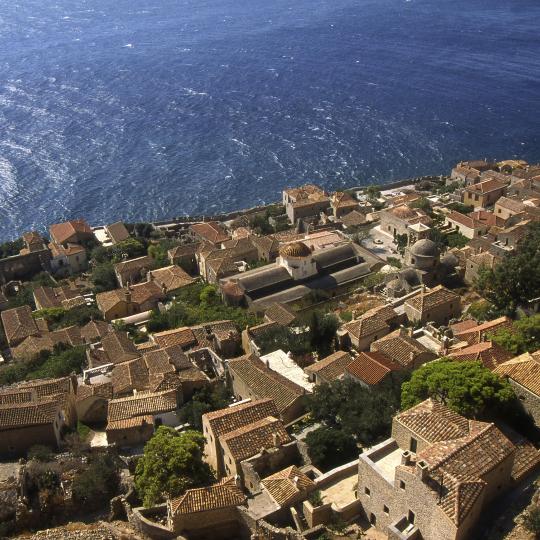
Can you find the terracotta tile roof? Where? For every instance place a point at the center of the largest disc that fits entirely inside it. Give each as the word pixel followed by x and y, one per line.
pixel 18 415
pixel 18 323
pixel 487 352
pixel 431 299
pixel 264 382
pixel 524 369
pixel 267 244
pixel 143 403
pixel 183 250
pixel 117 232
pixel 103 390
pixel 280 313
pixel 400 347
pixel 171 278
pixel 118 347
pixel 237 416
pixel 62 232
pixel 331 367
pixel 514 205
pixel 486 186
pixel 288 485
pixel 224 494
pixel 129 423
pixel 129 376
pixel 462 219
pixel 211 231
pixel 353 218
pixel 341 199
pixel 373 321
pixel 371 367
pixel 476 333
pixel 433 422
pixel 47 387
pixel 13 396
pixel 33 345
pixel 247 441
pixel 461 326
pixel 48 297
pixel 132 265
pixel 97 358
pixel 182 337
pixel 94 331
pixel 166 360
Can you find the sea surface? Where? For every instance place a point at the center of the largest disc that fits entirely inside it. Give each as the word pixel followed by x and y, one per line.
pixel 147 109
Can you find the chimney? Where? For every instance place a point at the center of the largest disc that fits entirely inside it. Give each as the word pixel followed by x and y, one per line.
pixel 275 440
pixel 405 457
pixel 127 295
pixel 422 470
pixel 295 481
pixel 238 480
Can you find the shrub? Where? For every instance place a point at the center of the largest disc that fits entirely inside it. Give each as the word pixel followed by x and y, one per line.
pixel 531 521
pixel 40 452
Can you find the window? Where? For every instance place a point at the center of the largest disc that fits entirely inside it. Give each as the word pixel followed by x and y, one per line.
pixel 386 510
pixel 401 484
pixel 413 445
pixel 411 517
pixel 372 519
pixel 367 491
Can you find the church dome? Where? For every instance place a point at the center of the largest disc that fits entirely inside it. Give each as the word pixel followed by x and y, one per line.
pixel 425 248
pixel 450 260
pixel 295 249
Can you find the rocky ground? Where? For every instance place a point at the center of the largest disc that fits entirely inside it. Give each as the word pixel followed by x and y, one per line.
pixel 116 530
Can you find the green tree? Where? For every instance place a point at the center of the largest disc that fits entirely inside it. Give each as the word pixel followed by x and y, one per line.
pixel 482 310
pixel 127 249
pixel 457 240
pixel 203 401
pixel 468 388
pixel 322 329
pixel 360 412
pixel 401 241
pixel 329 448
pixel 516 280
pixel 171 464
pixel 103 277
pixel 461 208
pixel 422 204
pixel 373 192
pixel 524 336
pixel 10 248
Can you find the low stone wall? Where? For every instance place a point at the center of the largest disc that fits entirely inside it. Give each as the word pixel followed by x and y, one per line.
pixel 336 474
pixel 141 519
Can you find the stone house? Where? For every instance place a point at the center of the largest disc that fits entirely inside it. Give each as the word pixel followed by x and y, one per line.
pixel 248 441
pixel 288 486
pixel 75 231
pixel 218 424
pixel 398 221
pixel 438 473
pixel 474 263
pixel 484 194
pixel 489 353
pixel 373 369
pixel 46 341
pixel 506 207
pixel 25 424
pixel 369 327
pixel 133 270
pixel 170 279
pixel 19 324
pixel 400 347
pixel 66 297
pixel 508 237
pixel 305 201
pixel 212 232
pixel 267 247
pixel 127 301
pixel 36 412
pixel 131 420
pixel 184 256
pixel 476 333
pixel 116 232
pixel 207 513
pixel 330 368
pixel 438 305
pixel 251 378
pixel 523 373
pixel 68 259
pixel 466 225
pixel 281 314
pixel 342 204
pixel 94 331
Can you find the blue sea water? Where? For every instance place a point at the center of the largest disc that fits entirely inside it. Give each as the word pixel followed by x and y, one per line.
pixel 144 109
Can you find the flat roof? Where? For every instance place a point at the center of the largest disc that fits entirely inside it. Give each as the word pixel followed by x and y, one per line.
pixel 283 364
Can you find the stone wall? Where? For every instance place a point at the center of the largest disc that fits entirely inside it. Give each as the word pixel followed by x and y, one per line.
pixel 529 401
pixel 24 267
